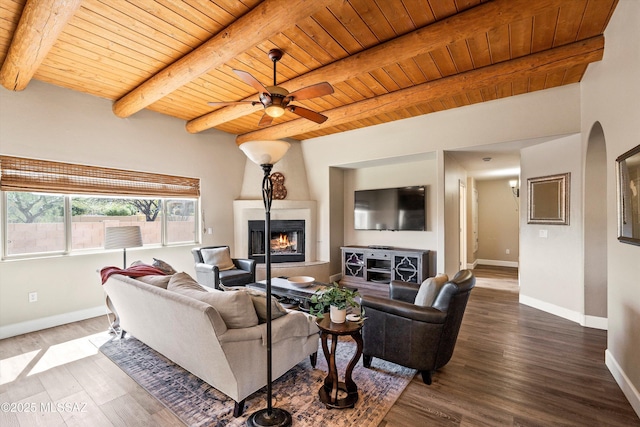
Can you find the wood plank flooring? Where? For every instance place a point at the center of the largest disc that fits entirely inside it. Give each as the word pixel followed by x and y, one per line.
pixel 513 366
pixel 516 366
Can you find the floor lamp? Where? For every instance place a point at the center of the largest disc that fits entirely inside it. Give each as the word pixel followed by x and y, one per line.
pixel 266 154
pixel 122 238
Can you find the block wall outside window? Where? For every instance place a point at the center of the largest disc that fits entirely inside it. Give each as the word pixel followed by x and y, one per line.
pixel 35 223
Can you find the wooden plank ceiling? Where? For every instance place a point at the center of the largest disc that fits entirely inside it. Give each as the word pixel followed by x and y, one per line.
pixel 386 59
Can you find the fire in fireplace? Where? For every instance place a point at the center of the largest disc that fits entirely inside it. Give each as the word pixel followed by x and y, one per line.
pixel 287 241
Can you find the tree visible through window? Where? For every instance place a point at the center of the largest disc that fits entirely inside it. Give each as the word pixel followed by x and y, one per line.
pixel 58 207
pixel 36 222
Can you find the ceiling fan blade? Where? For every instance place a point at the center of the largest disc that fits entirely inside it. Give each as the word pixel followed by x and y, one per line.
pixel 265 120
pixel 225 103
pixel 251 81
pixel 313 91
pixel 307 114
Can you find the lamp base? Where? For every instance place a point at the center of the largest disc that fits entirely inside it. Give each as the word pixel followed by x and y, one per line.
pixel 278 417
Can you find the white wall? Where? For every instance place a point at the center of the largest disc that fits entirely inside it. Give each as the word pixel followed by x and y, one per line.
pixel 47 122
pixel 610 93
pixel 545 113
pixel 551 271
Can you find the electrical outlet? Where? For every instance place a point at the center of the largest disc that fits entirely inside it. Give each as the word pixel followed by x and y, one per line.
pixel 508 251
pixel 543 233
pixel 33 296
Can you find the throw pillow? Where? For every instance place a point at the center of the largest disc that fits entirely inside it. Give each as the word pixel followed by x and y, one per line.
pixel 259 299
pixel 429 290
pixel 235 308
pixel 161 265
pixel 156 280
pixel 184 284
pixel 218 256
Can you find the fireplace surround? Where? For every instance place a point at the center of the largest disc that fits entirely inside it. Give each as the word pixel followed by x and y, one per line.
pixel 287 240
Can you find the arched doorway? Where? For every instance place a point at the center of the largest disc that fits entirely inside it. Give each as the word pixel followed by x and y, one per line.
pixel 595 229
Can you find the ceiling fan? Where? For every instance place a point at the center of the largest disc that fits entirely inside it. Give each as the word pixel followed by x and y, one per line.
pixel 276 100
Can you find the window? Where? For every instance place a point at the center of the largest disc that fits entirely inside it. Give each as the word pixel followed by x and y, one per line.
pixel 41 222
pixel 35 223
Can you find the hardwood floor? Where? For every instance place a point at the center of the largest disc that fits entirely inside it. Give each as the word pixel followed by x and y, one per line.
pixel 516 366
pixel 513 366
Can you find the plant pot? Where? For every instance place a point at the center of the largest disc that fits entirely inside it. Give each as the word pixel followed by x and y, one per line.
pixel 338 315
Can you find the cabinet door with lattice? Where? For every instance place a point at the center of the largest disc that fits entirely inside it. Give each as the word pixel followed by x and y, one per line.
pixel 406 268
pixel 353 263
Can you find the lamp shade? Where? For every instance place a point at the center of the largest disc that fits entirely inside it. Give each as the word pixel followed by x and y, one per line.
pixel 265 152
pixel 124 237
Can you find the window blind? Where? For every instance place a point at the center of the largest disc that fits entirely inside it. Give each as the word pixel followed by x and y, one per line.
pixel 22 174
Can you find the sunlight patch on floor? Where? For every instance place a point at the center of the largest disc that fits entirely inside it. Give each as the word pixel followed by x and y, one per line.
pixel 11 367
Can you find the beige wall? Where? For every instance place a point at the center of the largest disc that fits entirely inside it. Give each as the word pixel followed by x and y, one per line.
pixel 551 267
pixel 418 172
pixel 52 123
pixel 539 114
pixel 498 223
pixel 610 92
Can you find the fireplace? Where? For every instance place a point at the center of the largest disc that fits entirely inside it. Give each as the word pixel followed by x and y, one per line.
pixel 287 241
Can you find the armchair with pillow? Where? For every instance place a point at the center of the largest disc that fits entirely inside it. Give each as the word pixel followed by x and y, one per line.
pixel 214 266
pixel 418 325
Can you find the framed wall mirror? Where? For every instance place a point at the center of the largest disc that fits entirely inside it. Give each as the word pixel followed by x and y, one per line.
pixel 628 172
pixel 548 199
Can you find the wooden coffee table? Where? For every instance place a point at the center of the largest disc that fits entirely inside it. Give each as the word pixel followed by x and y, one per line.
pixel 334 393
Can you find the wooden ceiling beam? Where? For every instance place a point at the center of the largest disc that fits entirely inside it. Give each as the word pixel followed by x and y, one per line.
pixel 426 39
pixel 582 52
pixel 265 20
pixel 40 24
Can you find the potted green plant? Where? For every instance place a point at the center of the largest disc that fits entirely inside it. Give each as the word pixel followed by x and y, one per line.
pixel 335 299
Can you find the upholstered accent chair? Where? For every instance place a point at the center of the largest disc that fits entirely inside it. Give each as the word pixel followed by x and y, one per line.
pixel 214 266
pixel 415 336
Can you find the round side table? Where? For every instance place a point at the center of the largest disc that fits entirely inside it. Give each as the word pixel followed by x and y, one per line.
pixel 334 393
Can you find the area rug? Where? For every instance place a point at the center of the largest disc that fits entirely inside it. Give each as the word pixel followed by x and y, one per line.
pixel 196 403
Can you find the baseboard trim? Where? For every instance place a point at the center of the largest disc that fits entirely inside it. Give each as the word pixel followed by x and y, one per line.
pixel 471 266
pixel 51 321
pixel 595 322
pixel 629 390
pixel 335 278
pixel 565 313
pixel 497 263
pixel 583 320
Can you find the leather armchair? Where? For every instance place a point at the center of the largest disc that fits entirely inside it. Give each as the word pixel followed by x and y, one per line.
pixel 211 276
pixel 421 338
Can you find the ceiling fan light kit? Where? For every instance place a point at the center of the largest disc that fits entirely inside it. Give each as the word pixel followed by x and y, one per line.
pixel 275 99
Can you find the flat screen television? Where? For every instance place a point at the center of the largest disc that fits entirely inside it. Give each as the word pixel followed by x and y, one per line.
pixel 395 209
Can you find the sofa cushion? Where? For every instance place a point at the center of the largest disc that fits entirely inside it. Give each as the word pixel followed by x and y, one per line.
pixel 220 257
pixel 259 299
pixel 161 265
pixel 235 308
pixel 429 290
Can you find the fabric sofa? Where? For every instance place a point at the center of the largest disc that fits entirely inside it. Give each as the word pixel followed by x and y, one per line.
pixel 224 346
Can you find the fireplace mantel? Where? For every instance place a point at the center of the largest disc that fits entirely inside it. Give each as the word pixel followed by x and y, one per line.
pixel 246 210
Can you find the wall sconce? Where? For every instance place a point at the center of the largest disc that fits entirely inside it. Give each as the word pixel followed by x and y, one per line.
pixel 515 189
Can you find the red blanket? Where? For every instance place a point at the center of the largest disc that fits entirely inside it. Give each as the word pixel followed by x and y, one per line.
pixel 134 271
